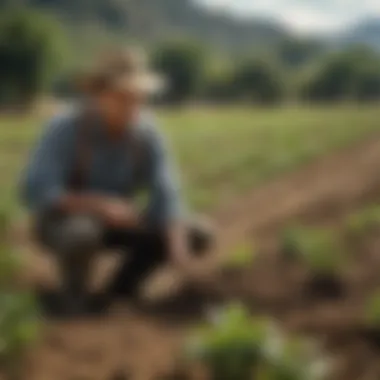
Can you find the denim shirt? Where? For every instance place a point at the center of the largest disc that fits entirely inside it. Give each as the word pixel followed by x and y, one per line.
pixel 111 168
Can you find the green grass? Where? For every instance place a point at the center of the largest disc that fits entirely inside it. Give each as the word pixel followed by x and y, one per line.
pixel 223 152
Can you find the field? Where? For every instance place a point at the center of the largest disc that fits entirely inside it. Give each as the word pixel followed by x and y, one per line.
pixel 258 172
pixel 225 152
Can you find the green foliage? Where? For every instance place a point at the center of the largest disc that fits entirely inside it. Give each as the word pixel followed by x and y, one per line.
pixel 18 327
pixel 18 311
pixel 183 66
pixel 242 257
pixel 353 74
pixel 231 346
pixel 237 346
pixel 258 82
pixel 363 221
pixel 320 248
pixel 9 262
pixel 29 46
pixel 291 358
pixel 372 310
pixel 294 53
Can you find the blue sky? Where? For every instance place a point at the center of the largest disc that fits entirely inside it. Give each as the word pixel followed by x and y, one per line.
pixel 304 16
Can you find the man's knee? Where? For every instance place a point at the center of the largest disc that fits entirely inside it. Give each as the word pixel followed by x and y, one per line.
pixel 74 234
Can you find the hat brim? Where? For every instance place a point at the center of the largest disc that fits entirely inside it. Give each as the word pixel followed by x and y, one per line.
pixel 146 83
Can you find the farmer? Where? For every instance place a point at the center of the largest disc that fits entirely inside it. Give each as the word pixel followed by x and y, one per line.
pixel 83 178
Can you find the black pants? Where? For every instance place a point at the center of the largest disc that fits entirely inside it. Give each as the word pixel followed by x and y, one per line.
pixel 76 239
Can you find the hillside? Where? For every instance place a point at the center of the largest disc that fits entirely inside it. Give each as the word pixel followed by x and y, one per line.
pixel 150 21
pixel 365 33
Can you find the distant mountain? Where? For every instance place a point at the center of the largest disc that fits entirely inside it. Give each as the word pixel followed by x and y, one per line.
pixel 155 20
pixel 365 33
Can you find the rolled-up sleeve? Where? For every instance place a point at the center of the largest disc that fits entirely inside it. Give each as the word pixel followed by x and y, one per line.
pixel 44 180
pixel 164 189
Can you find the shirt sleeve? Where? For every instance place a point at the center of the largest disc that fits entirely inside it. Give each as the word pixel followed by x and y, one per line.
pixel 165 203
pixel 44 179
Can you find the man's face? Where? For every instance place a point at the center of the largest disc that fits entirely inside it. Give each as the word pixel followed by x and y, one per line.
pixel 119 107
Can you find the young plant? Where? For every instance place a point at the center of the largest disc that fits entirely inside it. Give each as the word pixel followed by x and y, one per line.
pixel 18 328
pixel 319 249
pixel 372 310
pixel 370 330
pixel 242 257
pixel 364 221
pixel 237 346
pixel 9 261
pixel 230 347
pixel 289 358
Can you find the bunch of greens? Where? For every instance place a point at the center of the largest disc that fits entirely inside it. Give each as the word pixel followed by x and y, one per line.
pixel 236 346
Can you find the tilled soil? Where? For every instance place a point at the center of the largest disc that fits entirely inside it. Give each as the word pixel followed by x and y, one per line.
pixel 142 342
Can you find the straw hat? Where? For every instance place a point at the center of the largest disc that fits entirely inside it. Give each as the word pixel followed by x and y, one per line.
pixel 123 70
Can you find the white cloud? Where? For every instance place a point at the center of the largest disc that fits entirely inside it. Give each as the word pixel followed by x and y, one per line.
pixel 304 16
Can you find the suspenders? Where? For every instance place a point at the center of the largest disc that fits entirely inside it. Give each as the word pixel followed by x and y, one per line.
pixel 84 152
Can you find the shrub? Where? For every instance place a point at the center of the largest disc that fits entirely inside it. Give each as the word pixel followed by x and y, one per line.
pixel 182 64
pixel 29 43
pixel 258 82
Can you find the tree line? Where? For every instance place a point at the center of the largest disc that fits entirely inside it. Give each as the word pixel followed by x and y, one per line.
pixel 33 59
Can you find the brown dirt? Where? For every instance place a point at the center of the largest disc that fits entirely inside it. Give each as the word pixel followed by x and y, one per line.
pixel 143 343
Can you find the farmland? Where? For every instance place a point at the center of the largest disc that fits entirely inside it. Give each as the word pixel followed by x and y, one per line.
pixel 294 188
pixel 224 153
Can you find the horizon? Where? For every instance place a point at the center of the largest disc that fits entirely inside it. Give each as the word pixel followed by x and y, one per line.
pixel 304 17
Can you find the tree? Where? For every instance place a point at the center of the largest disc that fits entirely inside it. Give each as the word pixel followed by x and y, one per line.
pixel 29 44
pixel 182 64
pixel 294 53
pixel 258 81
pixel 353 74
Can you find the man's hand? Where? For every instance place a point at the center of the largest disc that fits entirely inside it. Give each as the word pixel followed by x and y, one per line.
pixel 118 213
pixel 115 212
pixel 179 252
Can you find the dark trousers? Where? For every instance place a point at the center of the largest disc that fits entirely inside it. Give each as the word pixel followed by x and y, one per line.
pixel 76 239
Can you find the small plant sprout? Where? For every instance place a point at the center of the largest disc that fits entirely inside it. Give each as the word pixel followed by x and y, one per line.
pixel 363 221
pixel 9 261
pixel 9 266
pixel 242 257
pixel 18 328
pixel 318 248
pixel 372 310
pixel 291 358
pixel 238 346
pixel 230 346
pixel 4 224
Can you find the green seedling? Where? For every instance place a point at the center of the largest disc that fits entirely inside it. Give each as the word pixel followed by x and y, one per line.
pixel 5 222
pixel 372 310
pixel 243 256
pixel 319 249
pixel 363 221
pixel 236 346
pixel 9 265
pixel 230 345
pixel 289 358
pixel 18 328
